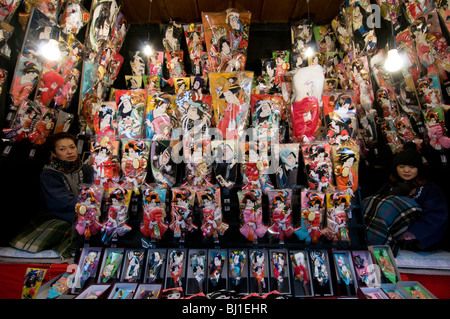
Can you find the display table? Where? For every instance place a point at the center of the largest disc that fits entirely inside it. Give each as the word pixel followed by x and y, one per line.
pixel 430 268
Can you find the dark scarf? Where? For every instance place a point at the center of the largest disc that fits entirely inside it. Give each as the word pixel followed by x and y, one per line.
pixel 65 166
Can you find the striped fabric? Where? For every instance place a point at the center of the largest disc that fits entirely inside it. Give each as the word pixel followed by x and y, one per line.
pixel 387 217
pixel 43 234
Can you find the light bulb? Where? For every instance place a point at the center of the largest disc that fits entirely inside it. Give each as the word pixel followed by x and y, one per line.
pixel 394 61
pixel 309 52
pixel 147 49
pixel 50 50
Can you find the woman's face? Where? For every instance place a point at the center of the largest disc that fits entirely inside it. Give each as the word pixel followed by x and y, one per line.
pixel 407 172
pixel 65 150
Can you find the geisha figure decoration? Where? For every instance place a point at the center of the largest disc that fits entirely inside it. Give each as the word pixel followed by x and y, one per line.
pixel 226 165
pixel 280 214
pixel 344 273
pixel 226 38
pixel 318 166
pixel 436 130
pixel 194 35
pixel 130 106
pixel 89 262
pixel 209 201
pixel 43 127
pixel 237 264
pixel 105 161
pixel 302 273
pixel 25 79
pixel 340 117
pixel 320 271
pixel 155 266
pixel 429 92
pixel 288 159
pixel 365 272
pixel 390 133
pixel 175 64
pixel 217 264
pixel 63 97
pixel 118 200
pixel 338 213
pixel 195 110
pixel 162 116
pixel 252 226
pixel 198 169
pixel 104 117
pixel 282 66
pixel 279 271
pixel 255 165
pixel 406 132
pixel 345 163
pixel 134 162
pixel 198 267
pixel 133 265
pixel 154 224
pixel 182 211
pixel 266 116
pixel 74 17
pixel 24 122
pixel 258 267
pixel 175 267
pixel 88 210
pixel 231 102
pixel 312 216
pixel 163 167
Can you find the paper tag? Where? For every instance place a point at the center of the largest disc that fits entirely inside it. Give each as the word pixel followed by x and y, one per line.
pixel 80 146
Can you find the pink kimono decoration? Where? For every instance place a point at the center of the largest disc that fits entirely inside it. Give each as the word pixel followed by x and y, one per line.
pixel 88 210
pixel 24 80
pixel 337 213
pixel 311 216
pixel 436 131
pixel 24 121
pixel 252 226
pixel 154 224
pixel 280 214
pixel 209 201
